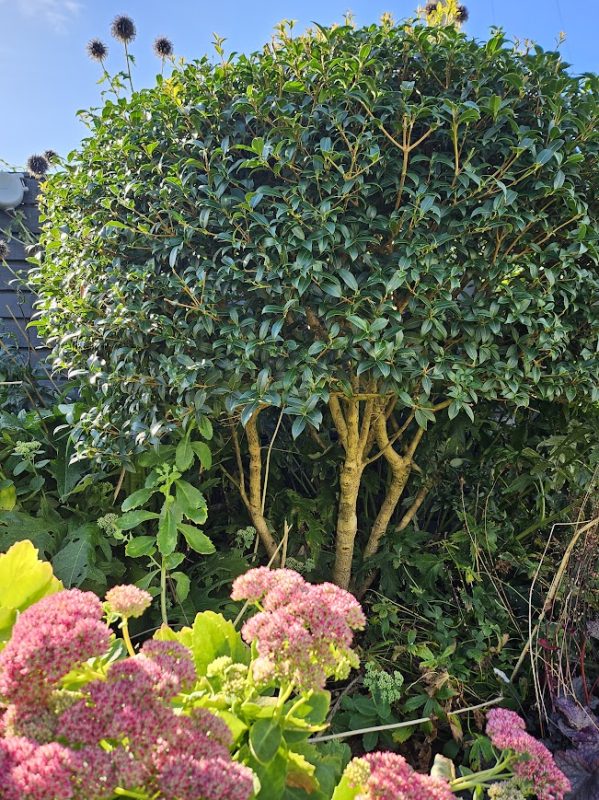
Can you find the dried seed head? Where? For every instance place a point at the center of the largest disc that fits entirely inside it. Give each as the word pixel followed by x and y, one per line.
pixel 4 250
pixel 97 50
pixel 37 166
pixel 430 7
pixel 50 155
pixel 462 14
pixel 123 29
pixel 163 47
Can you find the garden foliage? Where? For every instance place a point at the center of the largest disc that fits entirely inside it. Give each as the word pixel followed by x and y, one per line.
pixel 199 715
pixel 375 226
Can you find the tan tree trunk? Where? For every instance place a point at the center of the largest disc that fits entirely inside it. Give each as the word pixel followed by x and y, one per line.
pixel 347 521
pixel 400 467
pixel 252 496
pixel 348 427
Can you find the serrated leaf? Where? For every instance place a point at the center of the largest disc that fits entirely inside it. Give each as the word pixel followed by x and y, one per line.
pixel 191 501
pixel 140 546
pixel 205 428
pixel 167 531
pixel 136 499
pixel 197 539
pixel 134 518
pixel 182 585
pixel 184 455
pixel 203 452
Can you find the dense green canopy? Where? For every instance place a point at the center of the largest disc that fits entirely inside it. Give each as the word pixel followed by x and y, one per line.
pixel 404 207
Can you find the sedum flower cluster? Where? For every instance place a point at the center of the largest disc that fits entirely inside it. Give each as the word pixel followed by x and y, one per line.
pixel 388 776
pixel 533 766
pixel 121 731
pixel 302 632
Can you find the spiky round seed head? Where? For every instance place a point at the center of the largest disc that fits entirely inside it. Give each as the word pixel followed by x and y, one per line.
pixel 37 166
pixel 430 7
pixel 4 250
pixel 163 47
pixel 97 50
pixel 462 15
pixel 50 155
pixel 123 29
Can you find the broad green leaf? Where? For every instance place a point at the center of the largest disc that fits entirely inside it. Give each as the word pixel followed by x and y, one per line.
pixel 182 585
pixel 140 546
pixel 24 579
pixel 73 562
pixel 8 497
pixel 134 518
pixel 191 501
pixel 136 499
pixel 205 428
pixel 203 452
pixel 346 791
pixel 265 738
pixel 213 636
pixel 196 539
pixel 167 531
pixel 184 455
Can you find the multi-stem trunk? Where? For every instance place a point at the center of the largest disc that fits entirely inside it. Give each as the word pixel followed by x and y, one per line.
pixel 252 493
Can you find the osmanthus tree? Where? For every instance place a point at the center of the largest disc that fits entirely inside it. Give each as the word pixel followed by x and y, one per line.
pixel 381 225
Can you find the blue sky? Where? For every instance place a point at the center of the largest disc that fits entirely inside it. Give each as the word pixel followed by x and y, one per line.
pixel 45 75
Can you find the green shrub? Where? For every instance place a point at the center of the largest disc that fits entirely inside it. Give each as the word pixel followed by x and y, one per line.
pixel 384 225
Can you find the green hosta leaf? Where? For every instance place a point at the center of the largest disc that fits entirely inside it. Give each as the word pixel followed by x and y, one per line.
pixel 134 518
pixel 138 498
pixel 213 636
pixel 265 738
pixel 140 546
pixel 196 539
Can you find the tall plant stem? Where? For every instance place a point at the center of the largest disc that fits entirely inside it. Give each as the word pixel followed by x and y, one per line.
pixel 163 613
pixel 127 637
pixel 128 66
pixel 251 493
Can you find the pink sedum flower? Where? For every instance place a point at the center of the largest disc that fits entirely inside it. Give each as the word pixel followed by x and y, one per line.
pixel 173 658
pixel 304 633
pixel 535 764
pixel 189 778
pixel 128 601
pixel 48 640
pixel 388 776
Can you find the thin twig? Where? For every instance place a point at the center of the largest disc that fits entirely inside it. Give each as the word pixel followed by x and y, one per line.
pixel 393 725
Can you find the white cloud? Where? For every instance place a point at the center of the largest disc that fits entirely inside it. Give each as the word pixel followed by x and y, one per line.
pixel 56 12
